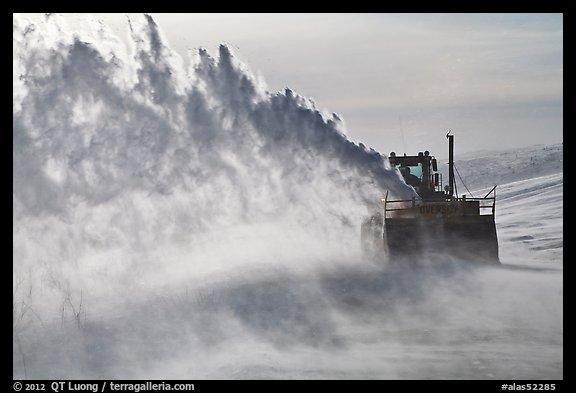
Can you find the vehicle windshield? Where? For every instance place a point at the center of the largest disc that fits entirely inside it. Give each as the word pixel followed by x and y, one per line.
pixel 415 170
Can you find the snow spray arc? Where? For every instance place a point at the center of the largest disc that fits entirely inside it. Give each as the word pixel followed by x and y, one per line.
pixel 95 122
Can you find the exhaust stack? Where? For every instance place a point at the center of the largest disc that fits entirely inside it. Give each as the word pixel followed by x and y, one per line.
pixel 450 164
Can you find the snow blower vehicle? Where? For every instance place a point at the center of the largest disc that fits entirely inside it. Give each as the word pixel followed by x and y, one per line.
pixel 437 223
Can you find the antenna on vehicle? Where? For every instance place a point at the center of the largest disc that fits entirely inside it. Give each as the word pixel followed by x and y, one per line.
pixel 402 134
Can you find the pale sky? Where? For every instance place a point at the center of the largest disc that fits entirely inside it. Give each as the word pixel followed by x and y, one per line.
pixel 400 81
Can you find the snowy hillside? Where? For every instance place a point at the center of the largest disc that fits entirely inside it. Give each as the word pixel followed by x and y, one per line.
pixel 485 169
pixel 530 221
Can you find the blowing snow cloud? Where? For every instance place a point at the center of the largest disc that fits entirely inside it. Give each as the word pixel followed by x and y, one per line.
pixel 129 166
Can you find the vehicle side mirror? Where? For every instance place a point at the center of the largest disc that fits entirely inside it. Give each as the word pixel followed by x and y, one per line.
pixel 434 165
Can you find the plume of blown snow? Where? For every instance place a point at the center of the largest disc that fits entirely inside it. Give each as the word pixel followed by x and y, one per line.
pixel 119 152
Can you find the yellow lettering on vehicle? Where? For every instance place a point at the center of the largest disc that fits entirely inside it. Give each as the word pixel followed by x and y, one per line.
pixel 445 209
